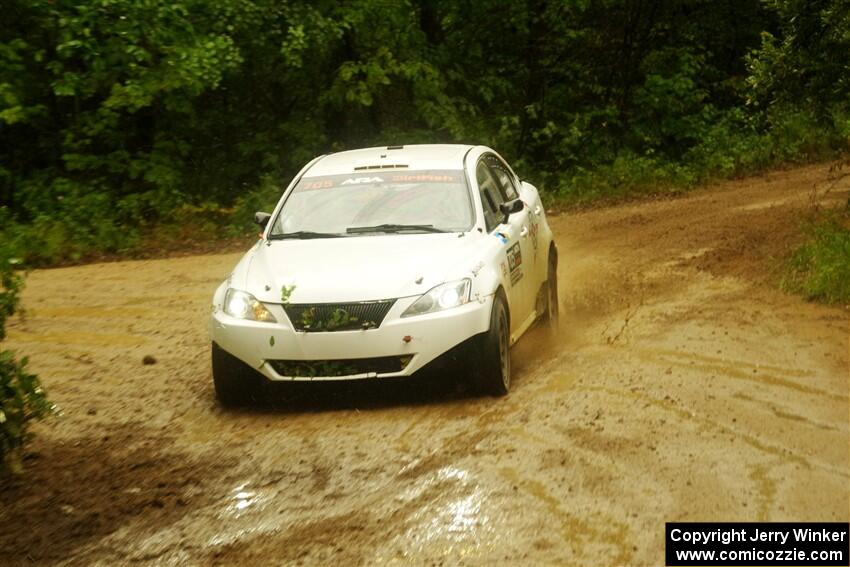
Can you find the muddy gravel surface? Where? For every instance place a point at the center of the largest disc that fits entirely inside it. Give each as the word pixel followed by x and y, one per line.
pixel 682 386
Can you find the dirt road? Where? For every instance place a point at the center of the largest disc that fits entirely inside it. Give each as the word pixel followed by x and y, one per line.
pixel 683 386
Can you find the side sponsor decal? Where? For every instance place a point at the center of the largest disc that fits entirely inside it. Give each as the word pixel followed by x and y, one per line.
pixel 533 231
pixel 514 255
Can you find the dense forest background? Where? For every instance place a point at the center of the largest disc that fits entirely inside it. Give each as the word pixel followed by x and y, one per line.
pixel 117 116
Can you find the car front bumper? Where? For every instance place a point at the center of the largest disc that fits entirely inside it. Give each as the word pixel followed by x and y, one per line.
pixel 263 345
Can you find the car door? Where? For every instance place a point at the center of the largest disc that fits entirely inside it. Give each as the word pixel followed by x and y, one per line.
pixel 536 262
pixel 514 236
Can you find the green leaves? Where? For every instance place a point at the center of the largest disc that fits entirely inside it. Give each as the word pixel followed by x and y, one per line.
pixel 21 401
pixel 21 396
pixel 286 292
pixel 11 284
pixel 805 63
pixel 139 106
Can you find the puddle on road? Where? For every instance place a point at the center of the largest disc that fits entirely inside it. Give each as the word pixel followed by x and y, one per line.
pixel 241 500
pixel 242 515
pixel 450 516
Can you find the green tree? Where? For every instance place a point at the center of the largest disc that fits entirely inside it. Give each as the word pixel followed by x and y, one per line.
pixel 21 396
pixel 117 115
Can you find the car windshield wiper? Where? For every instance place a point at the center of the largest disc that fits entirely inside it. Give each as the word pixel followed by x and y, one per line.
pixel 393 228
pixel 303 235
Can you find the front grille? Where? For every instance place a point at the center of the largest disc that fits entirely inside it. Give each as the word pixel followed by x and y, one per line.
pixel 343 367
pixel 327 317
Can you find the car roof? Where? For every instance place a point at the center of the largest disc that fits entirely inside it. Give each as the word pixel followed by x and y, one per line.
pixel 412 157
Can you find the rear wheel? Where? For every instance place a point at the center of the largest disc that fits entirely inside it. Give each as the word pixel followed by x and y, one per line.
pixel 552 309
pixel 236 383
pixel 493 353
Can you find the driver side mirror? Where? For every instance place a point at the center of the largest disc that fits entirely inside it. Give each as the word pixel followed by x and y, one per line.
pixel 261 218
pixel 510 207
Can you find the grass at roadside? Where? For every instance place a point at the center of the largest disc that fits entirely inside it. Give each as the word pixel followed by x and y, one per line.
pixel 820 268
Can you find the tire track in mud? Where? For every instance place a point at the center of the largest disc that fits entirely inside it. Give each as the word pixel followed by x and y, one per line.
pixel 681 386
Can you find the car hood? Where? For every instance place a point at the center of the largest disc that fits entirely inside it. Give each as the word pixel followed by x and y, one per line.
pixel 361 268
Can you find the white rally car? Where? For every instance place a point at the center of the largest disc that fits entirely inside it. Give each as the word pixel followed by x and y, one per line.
pixel 377 261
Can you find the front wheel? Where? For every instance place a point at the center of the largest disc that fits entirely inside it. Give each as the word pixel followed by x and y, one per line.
pixel 552 308
pixel 493 352
pixel 236 383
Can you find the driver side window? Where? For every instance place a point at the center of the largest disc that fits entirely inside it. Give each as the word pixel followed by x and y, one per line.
pixel 503 177
pixel 490 196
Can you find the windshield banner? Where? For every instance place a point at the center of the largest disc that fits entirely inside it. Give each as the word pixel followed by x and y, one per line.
pixel 379 177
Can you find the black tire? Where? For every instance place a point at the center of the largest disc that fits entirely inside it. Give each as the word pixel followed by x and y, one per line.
pixel 493 353
pixel 236 383
pixel 552 313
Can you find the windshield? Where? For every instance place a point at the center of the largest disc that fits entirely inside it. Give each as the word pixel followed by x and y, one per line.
pixel 376 202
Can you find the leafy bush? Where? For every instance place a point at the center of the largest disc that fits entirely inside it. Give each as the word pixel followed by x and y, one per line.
pixel 21 396
pixel 125 118
pixel 733 142
pixel 263 198
pixel 820 268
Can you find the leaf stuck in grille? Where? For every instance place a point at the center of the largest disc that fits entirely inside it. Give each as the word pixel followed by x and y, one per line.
pixel 329 317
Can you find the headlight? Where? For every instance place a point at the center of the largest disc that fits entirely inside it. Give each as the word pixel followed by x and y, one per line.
pixel 245 306
pixel 445 296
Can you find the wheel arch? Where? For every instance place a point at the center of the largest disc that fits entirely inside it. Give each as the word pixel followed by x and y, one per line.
pixel 500 293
